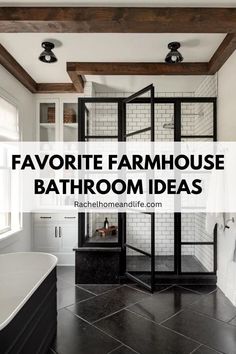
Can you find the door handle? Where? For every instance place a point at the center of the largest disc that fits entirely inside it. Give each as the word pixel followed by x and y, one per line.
pixel 55 231
pixel 59 231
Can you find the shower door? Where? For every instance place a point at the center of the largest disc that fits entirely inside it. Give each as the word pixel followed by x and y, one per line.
pixel 139 228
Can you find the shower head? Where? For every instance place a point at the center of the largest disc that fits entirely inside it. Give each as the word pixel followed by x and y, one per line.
pixel 168 125
pixel 171 124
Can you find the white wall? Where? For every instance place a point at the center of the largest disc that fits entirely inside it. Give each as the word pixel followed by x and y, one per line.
pixel 13 90
pixel 226 101
pixel 227 132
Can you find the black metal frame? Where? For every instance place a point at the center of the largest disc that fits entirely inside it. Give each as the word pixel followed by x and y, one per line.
pixel 82 138
pixel 151 255
pixel 176 101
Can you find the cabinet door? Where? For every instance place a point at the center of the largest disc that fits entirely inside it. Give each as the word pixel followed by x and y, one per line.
pixel 48 119
pixel 69 120
pixel 68 235
pixel 46 237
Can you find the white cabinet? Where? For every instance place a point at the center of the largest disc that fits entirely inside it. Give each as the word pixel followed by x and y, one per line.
pixel 45 239
pixel 56 234
pixel 57 119
pixel 69 236
pixel 48 120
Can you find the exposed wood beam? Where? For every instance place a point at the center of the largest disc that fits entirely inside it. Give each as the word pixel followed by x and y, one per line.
pixel 55 88
pixel 118 19
pixel 137 69
pixel 224 51
pixel 11 65
pixel 76 78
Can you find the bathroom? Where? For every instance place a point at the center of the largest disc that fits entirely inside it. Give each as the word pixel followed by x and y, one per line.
pixel 147 268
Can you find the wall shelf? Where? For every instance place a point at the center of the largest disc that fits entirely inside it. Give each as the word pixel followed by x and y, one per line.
pixel 48 125
pixel 71 125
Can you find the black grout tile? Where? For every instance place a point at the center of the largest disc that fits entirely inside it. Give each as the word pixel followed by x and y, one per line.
pixel 119 311
pixel 69 295
pixel 215 305
pixel 211 332
pixel 107 303
pixel 76 336
pixel 98 289
pixel 204 350
pixel 201 289
pixel 165 304
pixel 123 350
pixel 144 336
pixel 158 288
pixel 233 321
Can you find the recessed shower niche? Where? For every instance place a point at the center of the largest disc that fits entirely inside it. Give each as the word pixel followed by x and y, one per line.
pixel 147 248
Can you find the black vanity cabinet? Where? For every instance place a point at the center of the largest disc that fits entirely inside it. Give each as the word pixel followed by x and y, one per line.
pixel 97 265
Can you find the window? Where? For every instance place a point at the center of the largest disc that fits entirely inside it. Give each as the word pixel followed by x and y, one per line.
pixel 9 184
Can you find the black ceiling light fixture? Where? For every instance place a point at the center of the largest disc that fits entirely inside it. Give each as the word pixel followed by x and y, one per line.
pixel 174 55
pixel 47 56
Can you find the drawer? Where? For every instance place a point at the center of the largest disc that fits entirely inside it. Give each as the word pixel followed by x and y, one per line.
pixel 54 217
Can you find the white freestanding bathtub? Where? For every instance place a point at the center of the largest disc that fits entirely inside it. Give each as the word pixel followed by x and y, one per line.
pixel 27 301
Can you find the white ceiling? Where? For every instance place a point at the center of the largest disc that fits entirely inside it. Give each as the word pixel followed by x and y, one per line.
pixel 164 3
pixel 26 47
pixel 163 84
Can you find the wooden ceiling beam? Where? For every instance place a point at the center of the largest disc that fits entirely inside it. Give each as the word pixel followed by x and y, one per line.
pixel 223 52
pixel 13 67
pixel 55 88
pixel 117 20
pixel 120 68
pixel 77 79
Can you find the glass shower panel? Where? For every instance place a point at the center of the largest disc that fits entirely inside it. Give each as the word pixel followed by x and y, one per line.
pixel 193 228
pixel 138 230
pixel 139 265
pixel 164 223
pixel 164 122
pixel 101 125
pixel 197 258
pixel 97 230
pixel 102 119
pixel 164 242
pixel 139 248
pixel 197 118
pixel 137 119
pixel 144 136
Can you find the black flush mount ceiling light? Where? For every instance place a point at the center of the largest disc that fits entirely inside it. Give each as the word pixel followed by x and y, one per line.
pixel 47 56
pixel 174 55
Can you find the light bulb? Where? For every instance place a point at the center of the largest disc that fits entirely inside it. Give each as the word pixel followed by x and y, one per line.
pixel 47 57
pixel 174 58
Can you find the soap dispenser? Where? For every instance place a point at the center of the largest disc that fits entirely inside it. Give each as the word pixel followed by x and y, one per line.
pixel 106 224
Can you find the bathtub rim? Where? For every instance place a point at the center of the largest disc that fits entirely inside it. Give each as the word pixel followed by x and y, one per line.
pixel 31 292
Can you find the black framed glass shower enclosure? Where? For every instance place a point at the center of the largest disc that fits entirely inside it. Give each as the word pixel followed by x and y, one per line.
pixel 181 250
pixel 138 259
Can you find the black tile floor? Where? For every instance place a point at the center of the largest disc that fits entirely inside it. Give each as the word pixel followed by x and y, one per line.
pixel 164 264
pixel 124 319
